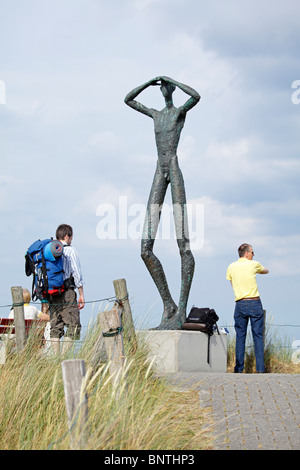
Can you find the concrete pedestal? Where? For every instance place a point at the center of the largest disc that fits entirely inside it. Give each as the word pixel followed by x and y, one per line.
pixel 186 351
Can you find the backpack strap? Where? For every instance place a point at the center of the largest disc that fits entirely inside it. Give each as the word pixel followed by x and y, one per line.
pixel 208 348
pixel 44 271
pixel 33 291
pixel 208 343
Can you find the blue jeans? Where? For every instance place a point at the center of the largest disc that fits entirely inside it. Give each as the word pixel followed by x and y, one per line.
pixel 245 309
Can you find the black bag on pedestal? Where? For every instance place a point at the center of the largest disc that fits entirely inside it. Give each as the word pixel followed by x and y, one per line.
pixel 202 319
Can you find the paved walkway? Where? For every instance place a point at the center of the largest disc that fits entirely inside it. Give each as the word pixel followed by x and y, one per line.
pixel 250 411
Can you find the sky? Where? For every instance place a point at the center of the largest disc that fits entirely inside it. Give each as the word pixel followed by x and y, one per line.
pixel 72 152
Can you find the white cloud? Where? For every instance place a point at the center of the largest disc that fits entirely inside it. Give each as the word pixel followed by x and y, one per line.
pixel 225 226
pixel 228 226
pixel 230 159
pixel 105 141
pixel 141 4
pixel 187 147
pixel 211 73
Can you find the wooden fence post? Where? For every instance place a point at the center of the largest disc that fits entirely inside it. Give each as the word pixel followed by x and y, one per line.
pixel 99 351
pixel 73 372
pixel 18 305
pixel 113 337
pixel 122 295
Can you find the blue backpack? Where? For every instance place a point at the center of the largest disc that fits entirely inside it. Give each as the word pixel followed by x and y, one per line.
pixel 44 260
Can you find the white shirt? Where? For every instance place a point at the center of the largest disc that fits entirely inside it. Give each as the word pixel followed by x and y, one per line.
pixel 30 312
pixel 71 265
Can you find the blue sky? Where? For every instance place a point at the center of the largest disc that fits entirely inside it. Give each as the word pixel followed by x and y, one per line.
pixel 69 144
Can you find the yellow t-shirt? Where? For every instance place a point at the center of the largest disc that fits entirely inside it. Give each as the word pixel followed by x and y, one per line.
pixel 242 274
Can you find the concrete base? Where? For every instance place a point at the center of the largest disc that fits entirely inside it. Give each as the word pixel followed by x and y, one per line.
pixel 186 351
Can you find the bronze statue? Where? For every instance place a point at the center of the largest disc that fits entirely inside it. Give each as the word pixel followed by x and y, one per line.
pixel 168 125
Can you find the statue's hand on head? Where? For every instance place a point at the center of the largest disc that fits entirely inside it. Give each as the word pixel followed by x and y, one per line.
pixel 166 79
pixel 155 81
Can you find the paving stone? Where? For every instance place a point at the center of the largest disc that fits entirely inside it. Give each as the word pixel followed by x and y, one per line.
pixel 250 411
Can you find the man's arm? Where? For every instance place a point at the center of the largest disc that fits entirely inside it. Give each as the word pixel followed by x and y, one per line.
pixel 195 97
pixel 81 300
pixel 130 98
pixel 264 271
pixel 77 275
pixel 44 316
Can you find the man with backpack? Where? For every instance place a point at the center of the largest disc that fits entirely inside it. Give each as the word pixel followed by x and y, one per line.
pixel 242 275
pixel 64 307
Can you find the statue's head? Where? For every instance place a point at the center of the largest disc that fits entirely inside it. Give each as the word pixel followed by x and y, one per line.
pixel 167 89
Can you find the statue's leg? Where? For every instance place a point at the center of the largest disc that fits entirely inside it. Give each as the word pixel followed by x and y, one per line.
pixel 156 199
pixel 182 235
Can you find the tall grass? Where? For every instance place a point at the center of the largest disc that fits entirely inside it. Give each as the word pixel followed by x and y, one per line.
pixel 277 353
pixel 142 413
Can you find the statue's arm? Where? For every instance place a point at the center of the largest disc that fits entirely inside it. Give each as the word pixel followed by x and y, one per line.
pixel 130 98
pixel 194 95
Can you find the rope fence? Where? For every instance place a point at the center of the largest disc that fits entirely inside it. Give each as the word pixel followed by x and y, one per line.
pixel 229 328
pixel 114 299
pixel 108 299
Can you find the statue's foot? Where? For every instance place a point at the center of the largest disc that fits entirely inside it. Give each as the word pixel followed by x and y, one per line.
pixel 173 323
pixel 169 312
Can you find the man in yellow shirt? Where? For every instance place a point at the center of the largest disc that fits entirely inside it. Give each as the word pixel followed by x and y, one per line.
pixel 242 275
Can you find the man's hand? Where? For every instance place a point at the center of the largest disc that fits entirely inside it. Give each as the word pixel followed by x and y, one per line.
pixel 264 271
pixel 81 300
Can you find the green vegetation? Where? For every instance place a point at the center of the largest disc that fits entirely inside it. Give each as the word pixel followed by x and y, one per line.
pixel 278 353
pixel 142 413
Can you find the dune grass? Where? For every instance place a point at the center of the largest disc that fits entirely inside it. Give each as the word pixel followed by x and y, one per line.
pixel 278 353
pixel 142 413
